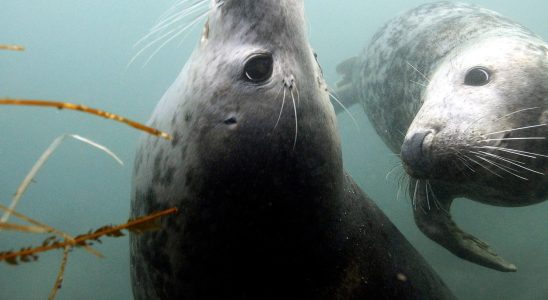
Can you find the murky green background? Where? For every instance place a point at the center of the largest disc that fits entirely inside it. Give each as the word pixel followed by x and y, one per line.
pixel 78 51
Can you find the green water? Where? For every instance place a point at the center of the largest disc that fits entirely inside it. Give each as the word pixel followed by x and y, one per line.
pixel 79 51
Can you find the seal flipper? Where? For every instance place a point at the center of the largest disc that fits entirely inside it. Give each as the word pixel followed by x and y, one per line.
pixel 434 220
pixel 344 92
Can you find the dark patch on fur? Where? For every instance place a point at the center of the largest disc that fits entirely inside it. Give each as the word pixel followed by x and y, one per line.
pixel 188 116
pixel 157 168
pixel 174 121
pixel 167 179
pixel 183 152
pixel 156 257
pixel 150 201
pixel 138 160
pixel 176 139
pixel 189 176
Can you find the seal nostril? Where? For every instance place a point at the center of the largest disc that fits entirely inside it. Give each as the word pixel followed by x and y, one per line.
pixel 230 121
pixel 415 153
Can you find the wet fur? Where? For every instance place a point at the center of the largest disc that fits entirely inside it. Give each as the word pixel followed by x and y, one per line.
pixel 410 79
pixel 266 209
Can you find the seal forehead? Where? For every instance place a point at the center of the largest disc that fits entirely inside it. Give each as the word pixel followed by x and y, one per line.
pixel 257 20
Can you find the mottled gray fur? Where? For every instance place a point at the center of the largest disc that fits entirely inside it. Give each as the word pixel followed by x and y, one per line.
pixel 266 212
pixel 458 140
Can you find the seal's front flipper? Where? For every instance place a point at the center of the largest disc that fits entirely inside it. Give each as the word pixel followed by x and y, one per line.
pixel 433 218
pixel 344 94
pixel 345 69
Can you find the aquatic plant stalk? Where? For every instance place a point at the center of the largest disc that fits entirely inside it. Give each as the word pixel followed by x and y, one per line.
pixel 25 228
pixel 60 274
pixel 12 47
pixel 47 229
pixel 137 225
pixel 41 161
pixel 86 109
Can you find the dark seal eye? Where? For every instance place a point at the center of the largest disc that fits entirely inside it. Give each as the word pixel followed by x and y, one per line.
pixel 258 68
pixel 477 76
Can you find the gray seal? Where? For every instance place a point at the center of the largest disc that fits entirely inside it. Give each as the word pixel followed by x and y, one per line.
pixel 462 93
pixel 255 169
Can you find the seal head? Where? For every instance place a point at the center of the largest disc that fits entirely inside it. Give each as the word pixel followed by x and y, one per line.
pixel 255 151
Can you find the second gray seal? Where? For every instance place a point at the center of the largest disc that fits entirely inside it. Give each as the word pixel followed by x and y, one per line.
pixel 461 93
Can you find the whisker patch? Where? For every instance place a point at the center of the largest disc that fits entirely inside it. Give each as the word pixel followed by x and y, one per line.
pixel 178 19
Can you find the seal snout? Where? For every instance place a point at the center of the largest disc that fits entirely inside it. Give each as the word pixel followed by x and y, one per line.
pixel 415 153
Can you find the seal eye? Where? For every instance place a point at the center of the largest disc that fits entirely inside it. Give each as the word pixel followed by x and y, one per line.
pixel 477 76
pixel 258 68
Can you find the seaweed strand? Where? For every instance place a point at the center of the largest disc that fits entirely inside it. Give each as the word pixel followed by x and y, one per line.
pixel 48 228
pixel 86 109
pixel 12 47
pixel 137 225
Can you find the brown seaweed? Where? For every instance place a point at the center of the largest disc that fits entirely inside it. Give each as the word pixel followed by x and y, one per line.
pixel 138 225
pixel 86 109
pixel 12 47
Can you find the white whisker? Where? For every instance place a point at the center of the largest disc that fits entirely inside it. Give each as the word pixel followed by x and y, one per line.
pixel 512 162
pixel 512 151
pixel 436 200
pixel 173 8
pixel 391 170
pixel 418 83
pixel 161 30
pixel 413 201
pixel 515 139
pixel 168 22
pixel 500 156
pixel 516 112
pixel 483 166
pixel 499 164
pixel 501 167
pixel 198 19
pixel 408 184
pixel 298 95
pixel 345 110
pixel 497 119
pixel 515 129
pixel 296 119
pixel 462 158
pixel 427 197
pixel 417 70
pixel 150 44
pixel 398 190
pixel 282 108
pixel 465 163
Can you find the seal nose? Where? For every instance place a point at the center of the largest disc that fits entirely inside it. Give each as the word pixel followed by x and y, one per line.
pixel 415 153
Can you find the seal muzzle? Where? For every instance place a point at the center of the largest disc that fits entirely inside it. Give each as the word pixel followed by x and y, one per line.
pixel 415 154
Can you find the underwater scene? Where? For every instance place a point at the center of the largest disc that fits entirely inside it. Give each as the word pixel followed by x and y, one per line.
pixel 122 56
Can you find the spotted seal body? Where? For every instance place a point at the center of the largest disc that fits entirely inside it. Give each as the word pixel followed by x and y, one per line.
pixel 462 93
pixel 255 168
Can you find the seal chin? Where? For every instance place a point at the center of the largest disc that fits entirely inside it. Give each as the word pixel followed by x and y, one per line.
pixel 416 153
